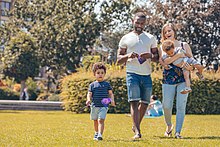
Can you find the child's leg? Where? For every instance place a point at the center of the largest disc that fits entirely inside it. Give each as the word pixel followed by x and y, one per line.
pixel 96 125
pixel 101 119
pixel 101 126
pixel 186 77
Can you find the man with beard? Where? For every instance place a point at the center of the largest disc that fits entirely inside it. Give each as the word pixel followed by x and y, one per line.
pixel 137 49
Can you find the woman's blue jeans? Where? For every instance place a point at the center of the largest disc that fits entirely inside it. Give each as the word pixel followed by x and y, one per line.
pixel 169 92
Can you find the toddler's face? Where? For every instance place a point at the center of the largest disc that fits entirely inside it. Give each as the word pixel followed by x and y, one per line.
pixel 170 52
pixel 100 74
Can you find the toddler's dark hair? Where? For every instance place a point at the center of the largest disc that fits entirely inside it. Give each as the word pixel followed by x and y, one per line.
pixel 154 97
pixel 98 65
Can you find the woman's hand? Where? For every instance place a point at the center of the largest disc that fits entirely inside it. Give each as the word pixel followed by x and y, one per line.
pixel 166 67
pixel 187 66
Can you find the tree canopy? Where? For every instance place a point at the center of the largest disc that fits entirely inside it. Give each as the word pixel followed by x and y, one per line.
pixel 198 23
pixel 63 29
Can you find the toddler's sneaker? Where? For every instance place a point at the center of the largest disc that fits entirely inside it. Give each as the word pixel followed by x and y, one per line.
pixel 99 137
pixel 200 76
pixel 95 136
pixel 186 90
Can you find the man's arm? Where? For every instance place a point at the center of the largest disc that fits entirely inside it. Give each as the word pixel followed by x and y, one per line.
pixel 122 56
pixel 155 56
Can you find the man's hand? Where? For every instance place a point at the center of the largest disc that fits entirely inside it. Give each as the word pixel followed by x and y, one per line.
pixel 132 55
pixel 146 55
pixel 155 52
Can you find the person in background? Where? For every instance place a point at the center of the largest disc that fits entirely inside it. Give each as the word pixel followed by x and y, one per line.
pixel 155 107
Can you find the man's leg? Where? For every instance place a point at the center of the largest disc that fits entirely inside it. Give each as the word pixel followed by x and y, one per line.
pixel 142 110
pixel 146 92
pixel 135 116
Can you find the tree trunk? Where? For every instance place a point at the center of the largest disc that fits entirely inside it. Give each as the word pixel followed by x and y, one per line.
pixel 24 91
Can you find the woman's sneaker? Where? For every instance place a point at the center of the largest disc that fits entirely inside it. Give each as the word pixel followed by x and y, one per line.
pixel 178 136
pixel 186 90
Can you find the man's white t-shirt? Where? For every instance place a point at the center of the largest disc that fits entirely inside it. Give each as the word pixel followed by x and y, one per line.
pixel 139 44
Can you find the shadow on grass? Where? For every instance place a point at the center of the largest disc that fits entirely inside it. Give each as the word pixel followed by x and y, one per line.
pixel 124 140
pixel 203 137
pixel 3 111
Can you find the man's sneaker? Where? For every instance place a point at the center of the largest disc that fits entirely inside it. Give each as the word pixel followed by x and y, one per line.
pixel 95 136
pixel 200 76
pixel 137 136
pixel 186 90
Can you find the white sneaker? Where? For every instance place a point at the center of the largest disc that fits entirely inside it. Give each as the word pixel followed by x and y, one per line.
pixel 95 136
pixel 99 137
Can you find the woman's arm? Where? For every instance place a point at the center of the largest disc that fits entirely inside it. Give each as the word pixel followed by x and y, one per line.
pixel 173 58
pixel 188 50
pixel 161 60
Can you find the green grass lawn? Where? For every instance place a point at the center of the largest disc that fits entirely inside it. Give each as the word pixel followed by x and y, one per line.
pixel 52 128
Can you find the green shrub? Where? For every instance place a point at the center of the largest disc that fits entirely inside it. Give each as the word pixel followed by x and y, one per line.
pixel 7 94
pixel 203 100
pixel 54 97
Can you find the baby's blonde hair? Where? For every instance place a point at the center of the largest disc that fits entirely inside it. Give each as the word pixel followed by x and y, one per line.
pixel 167 45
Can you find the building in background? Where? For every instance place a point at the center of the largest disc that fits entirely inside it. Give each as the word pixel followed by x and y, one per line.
pixel 6 6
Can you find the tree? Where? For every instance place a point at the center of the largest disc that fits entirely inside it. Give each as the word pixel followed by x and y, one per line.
pixel 20 59
pixel 197 23
pixel 62 29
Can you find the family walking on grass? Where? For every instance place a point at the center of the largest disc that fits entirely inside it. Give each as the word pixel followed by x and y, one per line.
pixel 136 50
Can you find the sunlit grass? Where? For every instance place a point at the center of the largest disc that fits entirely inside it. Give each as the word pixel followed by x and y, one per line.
pixel 52 128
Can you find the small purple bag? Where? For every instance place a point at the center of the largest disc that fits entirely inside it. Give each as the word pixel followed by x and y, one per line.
pixel 106 101
pixel 141 60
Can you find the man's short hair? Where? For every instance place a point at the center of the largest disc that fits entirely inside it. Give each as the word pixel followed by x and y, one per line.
pixel 140 15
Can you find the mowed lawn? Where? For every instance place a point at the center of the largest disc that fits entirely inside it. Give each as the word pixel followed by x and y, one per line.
pixel 58 128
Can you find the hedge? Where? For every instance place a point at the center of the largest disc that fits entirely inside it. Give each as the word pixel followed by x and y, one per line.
pixel 204 99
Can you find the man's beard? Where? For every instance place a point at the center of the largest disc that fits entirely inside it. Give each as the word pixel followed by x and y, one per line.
pixel 139 30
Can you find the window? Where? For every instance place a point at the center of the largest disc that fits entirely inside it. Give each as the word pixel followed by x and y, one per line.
pixel 5 7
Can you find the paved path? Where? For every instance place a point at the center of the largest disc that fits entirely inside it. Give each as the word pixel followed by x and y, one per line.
pixel 29 105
